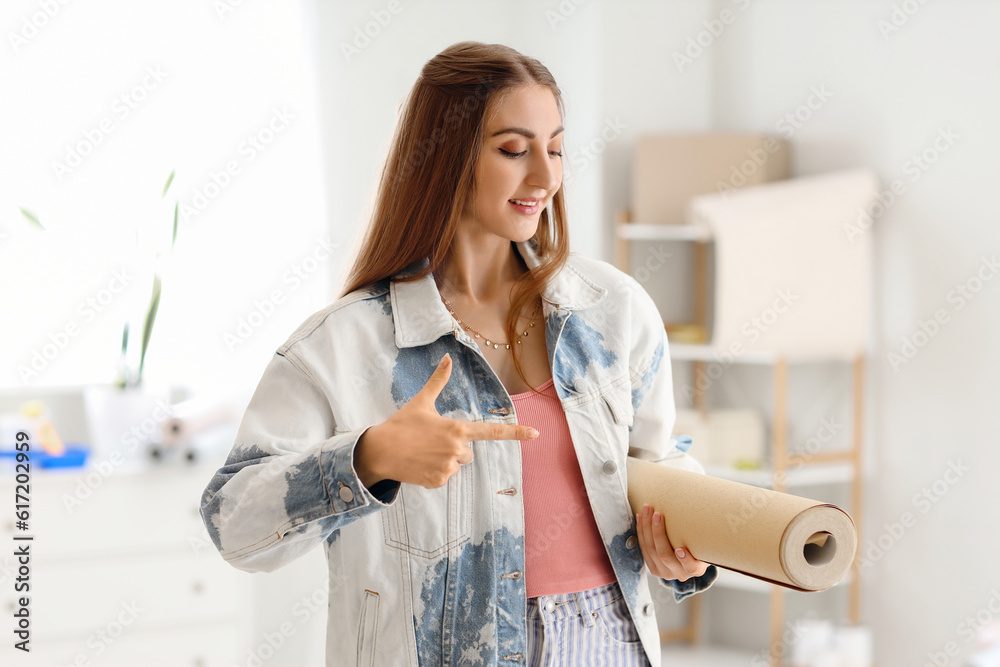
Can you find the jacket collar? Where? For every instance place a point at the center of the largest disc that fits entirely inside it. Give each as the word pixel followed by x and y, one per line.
pixel 420 316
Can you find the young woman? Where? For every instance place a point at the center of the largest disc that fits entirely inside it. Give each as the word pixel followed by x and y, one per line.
pixel 395 426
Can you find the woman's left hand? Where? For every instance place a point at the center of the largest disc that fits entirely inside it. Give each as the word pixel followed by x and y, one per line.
pixel 662 559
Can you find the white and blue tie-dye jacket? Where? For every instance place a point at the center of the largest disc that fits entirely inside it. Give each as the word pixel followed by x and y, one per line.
pixel 436 576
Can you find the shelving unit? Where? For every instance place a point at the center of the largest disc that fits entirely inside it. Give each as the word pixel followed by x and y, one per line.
pixel 786 469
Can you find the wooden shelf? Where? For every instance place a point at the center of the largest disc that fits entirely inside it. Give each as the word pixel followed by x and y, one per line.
pixel 705 656
pixel 806 474
pixel 710 656
pixel 642 231
pixel 708 353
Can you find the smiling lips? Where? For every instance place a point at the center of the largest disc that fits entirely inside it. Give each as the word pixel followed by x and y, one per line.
pixel 526 206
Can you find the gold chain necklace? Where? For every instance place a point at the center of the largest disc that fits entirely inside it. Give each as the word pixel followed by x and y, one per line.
pixel 494 345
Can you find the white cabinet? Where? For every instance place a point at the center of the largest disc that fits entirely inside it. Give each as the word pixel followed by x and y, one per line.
pixel 122 572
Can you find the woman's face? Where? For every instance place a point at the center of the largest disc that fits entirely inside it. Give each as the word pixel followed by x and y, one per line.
pixel 520 167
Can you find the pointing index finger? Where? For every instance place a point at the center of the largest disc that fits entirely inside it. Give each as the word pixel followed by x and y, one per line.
pixel 497 431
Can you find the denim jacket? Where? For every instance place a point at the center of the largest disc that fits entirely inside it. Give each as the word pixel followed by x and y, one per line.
pixel 423 576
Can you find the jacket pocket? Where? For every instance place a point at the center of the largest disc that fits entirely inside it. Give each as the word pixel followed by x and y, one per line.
pixel 615 411
pixel 428 522
pixel 368 629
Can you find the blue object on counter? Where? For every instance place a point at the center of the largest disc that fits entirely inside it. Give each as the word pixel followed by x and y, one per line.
pixel 683 442
pixel 74 456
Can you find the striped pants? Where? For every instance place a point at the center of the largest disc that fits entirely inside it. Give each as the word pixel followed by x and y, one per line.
pixel 590 628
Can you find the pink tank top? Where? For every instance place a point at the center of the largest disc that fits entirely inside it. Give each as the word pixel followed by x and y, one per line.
pixel 564 552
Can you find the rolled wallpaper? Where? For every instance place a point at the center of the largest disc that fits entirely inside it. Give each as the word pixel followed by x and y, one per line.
pixel 795 542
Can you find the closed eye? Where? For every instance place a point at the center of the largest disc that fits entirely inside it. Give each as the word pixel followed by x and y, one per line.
pixel 517 155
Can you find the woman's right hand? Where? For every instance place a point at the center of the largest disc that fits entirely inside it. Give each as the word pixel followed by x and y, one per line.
pixel 418 446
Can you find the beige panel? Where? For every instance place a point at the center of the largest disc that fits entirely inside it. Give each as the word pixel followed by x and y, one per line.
pixel 670 169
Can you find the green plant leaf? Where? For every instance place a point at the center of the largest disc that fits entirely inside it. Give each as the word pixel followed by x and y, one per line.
pixel 147 329
pixel 32 217
pixel 123 380
pixel 166 186
pixel 173 240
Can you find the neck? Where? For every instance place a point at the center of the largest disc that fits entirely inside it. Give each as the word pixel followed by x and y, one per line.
pixel 479 268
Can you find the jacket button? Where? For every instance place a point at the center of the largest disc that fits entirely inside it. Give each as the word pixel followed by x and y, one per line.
pixel 609 467
pixel 647 609
pixel 346 494
pixel 631 542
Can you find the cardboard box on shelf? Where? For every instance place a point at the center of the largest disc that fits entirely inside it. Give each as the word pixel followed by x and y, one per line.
pixel 670 169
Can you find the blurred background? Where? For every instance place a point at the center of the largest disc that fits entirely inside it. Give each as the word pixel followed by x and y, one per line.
pixel 184 183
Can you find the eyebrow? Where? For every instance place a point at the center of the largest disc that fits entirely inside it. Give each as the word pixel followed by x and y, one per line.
pixel 525 132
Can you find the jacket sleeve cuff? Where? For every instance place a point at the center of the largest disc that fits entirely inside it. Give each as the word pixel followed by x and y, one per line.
pixel 347 492
pixel 687 588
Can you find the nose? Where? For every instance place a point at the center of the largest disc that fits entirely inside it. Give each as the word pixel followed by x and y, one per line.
pixel 545 171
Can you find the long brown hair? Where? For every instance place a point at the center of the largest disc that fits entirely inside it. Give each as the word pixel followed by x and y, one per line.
pixel 429 173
